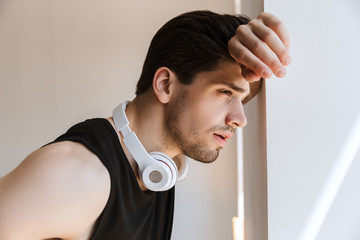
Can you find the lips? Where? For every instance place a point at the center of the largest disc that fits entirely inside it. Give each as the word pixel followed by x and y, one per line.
pixel 222 137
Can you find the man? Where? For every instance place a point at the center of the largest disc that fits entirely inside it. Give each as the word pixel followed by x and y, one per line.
pixel 200 69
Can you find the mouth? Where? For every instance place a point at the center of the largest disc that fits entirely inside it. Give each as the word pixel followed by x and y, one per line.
pixel 222 137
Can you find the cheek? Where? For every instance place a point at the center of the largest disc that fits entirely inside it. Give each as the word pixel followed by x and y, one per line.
pixel 204 110
pixel 206 114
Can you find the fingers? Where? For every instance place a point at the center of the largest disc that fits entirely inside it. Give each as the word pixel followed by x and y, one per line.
pixel 266 61
pixel 272 40
pixel 247 59
pixel 277 26
pixel 261 47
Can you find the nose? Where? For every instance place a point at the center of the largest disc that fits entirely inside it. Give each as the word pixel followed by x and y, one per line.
pixel 236 115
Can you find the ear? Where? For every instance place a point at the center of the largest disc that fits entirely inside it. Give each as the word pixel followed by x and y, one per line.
pixel 163 82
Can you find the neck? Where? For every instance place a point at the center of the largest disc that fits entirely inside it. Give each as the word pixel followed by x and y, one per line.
pixel 146 118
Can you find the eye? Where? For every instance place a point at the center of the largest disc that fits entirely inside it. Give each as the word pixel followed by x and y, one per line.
pixel 227 92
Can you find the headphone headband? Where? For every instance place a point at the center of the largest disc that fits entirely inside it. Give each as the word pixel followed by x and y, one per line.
pixel 120 119
pixel 130 139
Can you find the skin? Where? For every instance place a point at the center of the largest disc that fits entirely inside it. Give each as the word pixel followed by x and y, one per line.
pixel 261 47
pixel 216 98
pixel 47 195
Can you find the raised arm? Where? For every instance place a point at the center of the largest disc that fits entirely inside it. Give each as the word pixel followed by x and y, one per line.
pixel 57 192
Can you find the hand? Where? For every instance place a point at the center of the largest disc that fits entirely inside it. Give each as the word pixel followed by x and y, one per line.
pixel 261 47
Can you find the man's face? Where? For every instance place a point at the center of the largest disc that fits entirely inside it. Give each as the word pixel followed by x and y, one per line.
pixel 203 115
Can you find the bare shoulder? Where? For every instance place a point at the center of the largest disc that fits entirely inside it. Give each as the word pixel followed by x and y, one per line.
pixel 57 191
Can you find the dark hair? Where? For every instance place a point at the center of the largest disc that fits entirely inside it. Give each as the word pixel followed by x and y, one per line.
pixel 190 43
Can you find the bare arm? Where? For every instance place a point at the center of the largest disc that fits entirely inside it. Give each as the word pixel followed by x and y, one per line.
pixel 57 192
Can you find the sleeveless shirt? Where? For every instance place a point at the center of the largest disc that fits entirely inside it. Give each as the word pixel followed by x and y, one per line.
pixel 130 213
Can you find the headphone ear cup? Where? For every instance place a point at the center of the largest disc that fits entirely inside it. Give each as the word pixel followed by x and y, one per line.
pixel 161 175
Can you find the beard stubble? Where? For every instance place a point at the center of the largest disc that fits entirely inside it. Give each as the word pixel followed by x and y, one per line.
pixel 182 129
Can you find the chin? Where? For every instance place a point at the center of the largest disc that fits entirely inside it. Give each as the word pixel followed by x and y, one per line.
pixel 207 156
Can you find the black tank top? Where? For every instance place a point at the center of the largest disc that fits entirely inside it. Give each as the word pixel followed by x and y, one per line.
pixel 129 213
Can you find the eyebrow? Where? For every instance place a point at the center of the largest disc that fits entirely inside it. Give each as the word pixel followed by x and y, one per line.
pixel 232 86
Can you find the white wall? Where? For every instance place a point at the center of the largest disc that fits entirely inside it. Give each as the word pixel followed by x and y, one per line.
pixel 64 61
pixel 313 124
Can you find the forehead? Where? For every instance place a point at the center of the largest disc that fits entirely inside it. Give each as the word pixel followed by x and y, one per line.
pixel 227 74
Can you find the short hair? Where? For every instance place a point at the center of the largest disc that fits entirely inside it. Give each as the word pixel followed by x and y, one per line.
pixel 190 43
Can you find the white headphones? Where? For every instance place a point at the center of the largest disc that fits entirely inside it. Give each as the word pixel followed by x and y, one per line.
pixel 157 170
